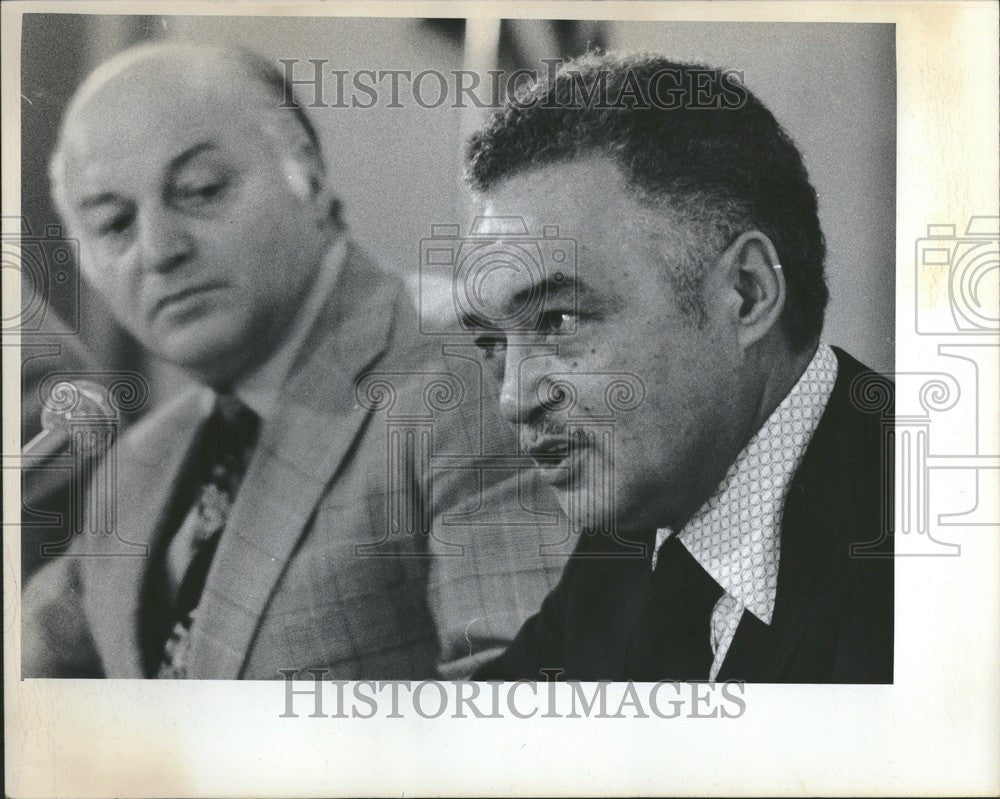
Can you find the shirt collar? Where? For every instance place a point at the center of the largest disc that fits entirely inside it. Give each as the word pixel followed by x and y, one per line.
pixel 260 389
pixel 736 535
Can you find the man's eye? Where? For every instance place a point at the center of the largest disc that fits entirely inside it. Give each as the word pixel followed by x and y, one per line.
pixel 116 225
pixel 201 192
pixel 491 345
pixel 554 322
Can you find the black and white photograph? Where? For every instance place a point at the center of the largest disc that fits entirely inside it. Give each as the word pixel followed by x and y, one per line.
pixel 472 377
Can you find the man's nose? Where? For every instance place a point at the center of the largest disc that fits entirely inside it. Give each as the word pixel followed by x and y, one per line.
pixel 164 241
pixel 519 401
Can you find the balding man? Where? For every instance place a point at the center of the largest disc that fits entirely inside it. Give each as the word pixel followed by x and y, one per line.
pixel 275 534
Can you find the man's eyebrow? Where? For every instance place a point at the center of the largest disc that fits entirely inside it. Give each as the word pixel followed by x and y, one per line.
pixel 98 199
pixel 189 154
pixel 552 288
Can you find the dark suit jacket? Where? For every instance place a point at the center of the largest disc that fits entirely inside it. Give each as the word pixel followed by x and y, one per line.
pixel 324 560
pixel 833 618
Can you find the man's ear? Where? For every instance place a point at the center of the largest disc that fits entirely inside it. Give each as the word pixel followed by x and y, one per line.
pixel 324 201
pixel 755 276
pixel 307 178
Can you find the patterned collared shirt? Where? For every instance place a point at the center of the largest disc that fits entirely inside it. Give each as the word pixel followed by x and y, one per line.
pixel 736 535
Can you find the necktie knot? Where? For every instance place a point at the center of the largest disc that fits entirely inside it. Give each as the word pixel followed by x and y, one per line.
pixel 230 441
pixel 681 601
pixel 239 423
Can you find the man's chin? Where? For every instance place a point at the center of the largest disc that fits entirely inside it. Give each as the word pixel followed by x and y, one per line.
pixel 599 513
pixel 587 511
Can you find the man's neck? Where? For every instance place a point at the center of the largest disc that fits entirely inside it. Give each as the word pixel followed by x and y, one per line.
pixel 787 368
pixel 784 369
pixel 260 387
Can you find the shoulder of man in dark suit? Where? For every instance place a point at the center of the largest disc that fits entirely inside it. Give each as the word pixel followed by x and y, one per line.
pixel 837 525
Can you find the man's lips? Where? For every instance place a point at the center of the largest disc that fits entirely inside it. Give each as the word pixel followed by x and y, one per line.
pixel 548 453
pixel 184 294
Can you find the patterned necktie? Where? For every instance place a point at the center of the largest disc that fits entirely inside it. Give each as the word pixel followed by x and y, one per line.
pixel 227 445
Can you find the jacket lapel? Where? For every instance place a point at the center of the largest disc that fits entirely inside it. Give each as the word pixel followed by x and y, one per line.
pixel 115 570
pixel 317 422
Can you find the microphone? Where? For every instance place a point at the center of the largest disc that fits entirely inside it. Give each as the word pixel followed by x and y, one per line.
pixel 71 401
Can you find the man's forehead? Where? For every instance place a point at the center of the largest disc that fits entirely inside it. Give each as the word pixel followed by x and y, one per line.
pixel 208 86
pixel 205 68
pixel 566 191
pixel 618 242
pixel 156 109
pixel 115 148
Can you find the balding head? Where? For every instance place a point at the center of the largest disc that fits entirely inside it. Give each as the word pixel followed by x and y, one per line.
pixel 199 199
pixel 197 79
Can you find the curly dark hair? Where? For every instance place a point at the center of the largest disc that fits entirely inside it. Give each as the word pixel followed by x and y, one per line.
pixel 707 150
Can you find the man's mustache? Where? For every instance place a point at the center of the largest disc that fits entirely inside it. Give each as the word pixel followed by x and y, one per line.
pixel 545 429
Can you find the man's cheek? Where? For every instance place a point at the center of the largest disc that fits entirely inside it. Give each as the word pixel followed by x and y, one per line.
pixel 112 288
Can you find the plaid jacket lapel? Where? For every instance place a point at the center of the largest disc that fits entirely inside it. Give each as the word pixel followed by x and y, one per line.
pixel 317 424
